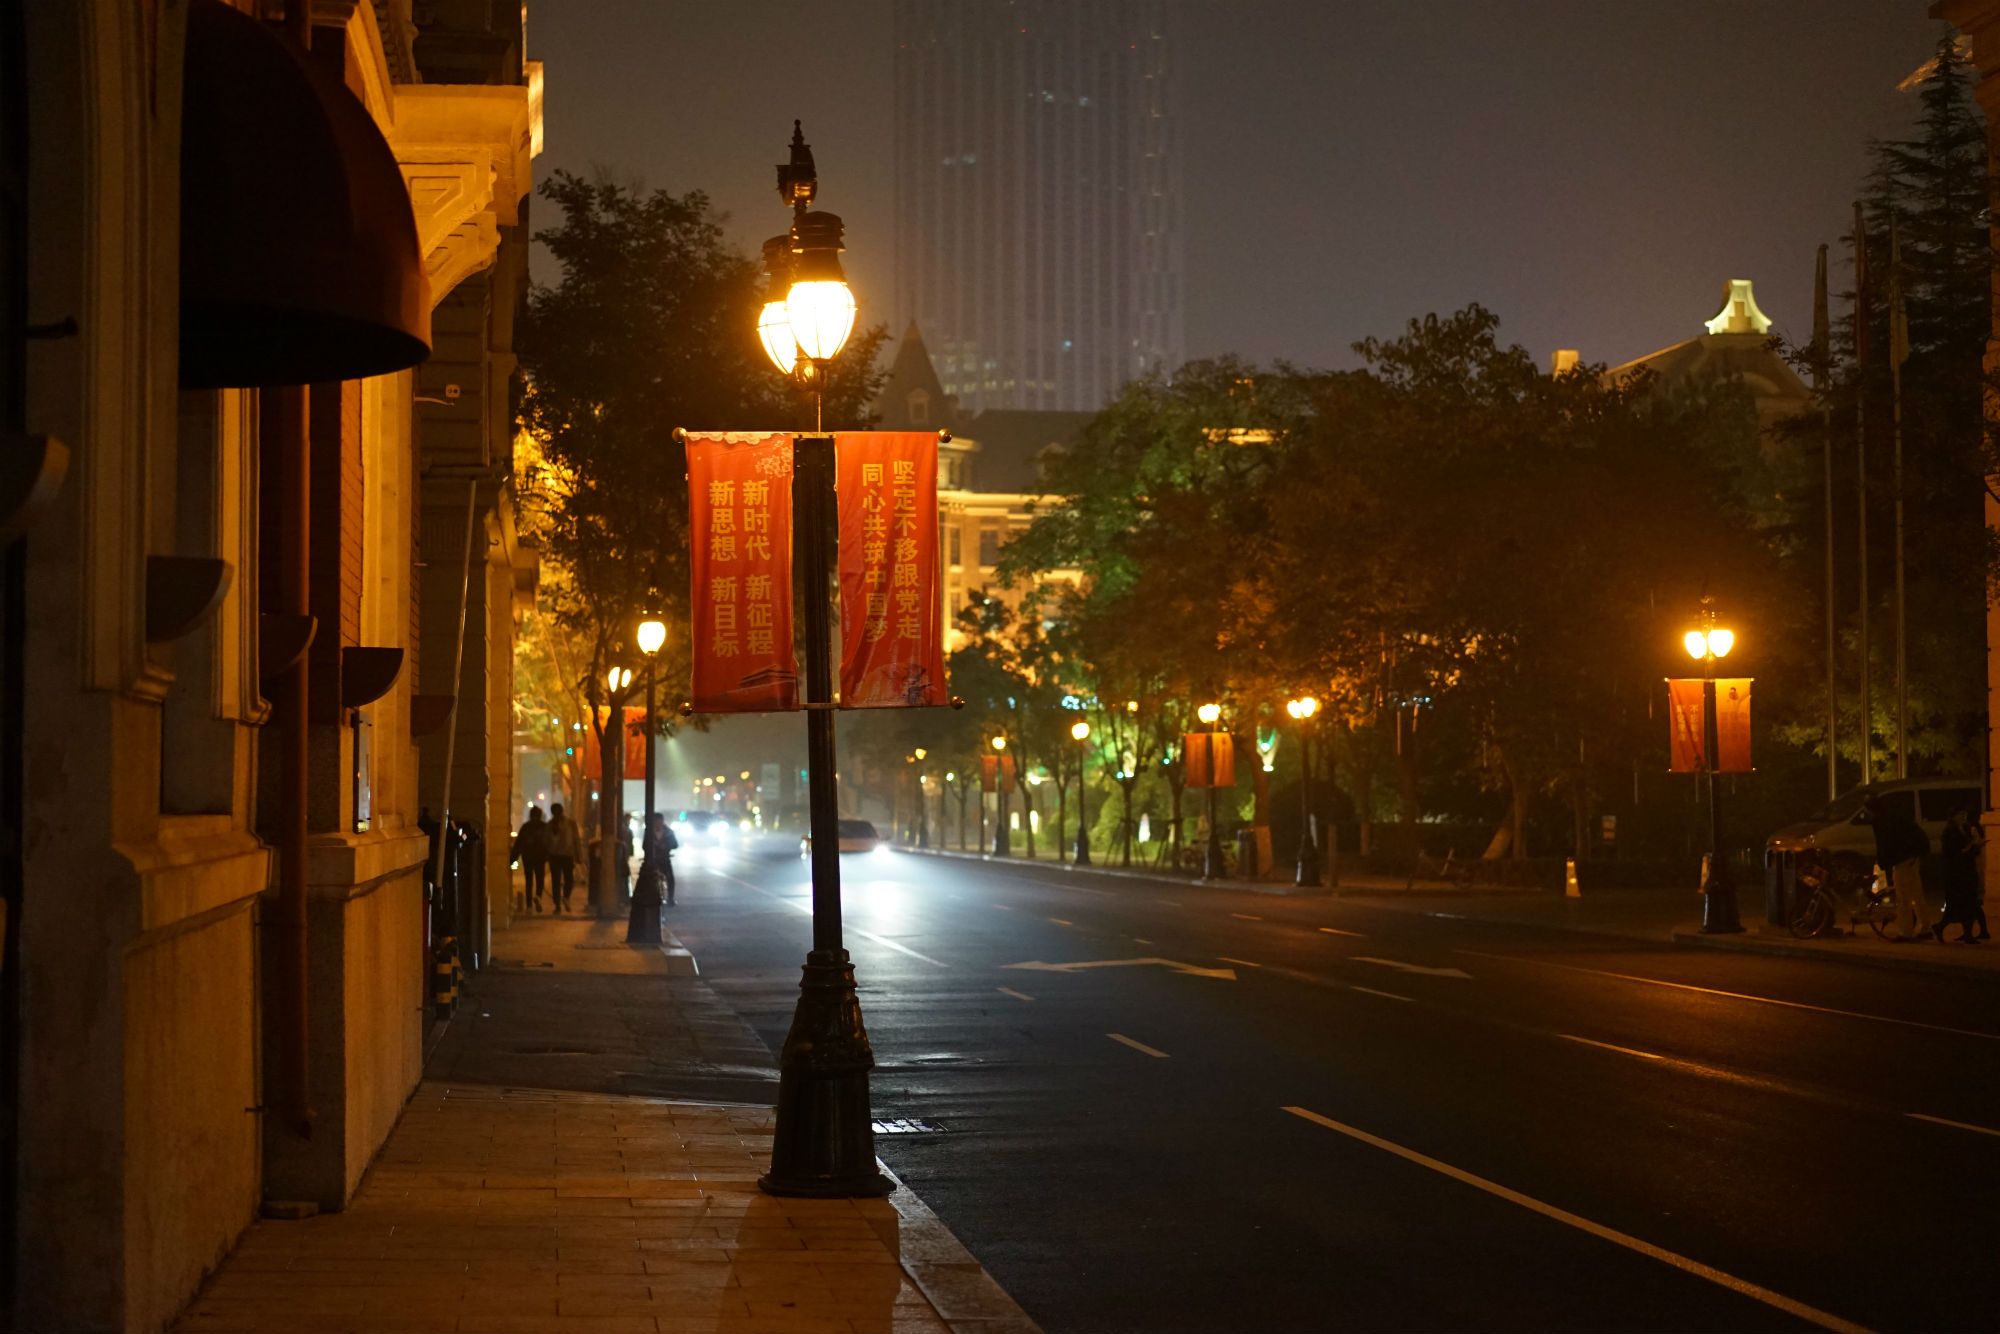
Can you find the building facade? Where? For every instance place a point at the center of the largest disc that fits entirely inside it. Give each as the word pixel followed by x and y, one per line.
pixel 1038 229
pixel 220 635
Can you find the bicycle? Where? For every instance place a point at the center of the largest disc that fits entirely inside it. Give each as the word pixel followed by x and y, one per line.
pixel 1831 886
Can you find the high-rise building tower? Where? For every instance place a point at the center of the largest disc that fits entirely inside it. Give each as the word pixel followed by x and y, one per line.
pixel 1037 197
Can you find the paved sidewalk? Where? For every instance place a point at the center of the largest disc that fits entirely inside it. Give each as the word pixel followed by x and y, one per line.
pixel 498 1207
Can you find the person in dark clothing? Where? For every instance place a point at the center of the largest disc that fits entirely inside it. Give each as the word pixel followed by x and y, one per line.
pixel 1900 847
pixel 1964 891
pixel 531 854
pixel 565 847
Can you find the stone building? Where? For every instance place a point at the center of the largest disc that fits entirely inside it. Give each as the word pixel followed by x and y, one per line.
pixel 229 607
pixel 1979 20
pixel 989 473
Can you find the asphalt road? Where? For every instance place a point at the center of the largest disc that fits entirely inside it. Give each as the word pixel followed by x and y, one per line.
pixel 1149 1107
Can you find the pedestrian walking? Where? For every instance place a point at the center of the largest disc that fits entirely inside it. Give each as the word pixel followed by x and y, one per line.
pixel 531 854
pixel 1964 890
pixel 565 850
pixel 1900 847
pixel 667 845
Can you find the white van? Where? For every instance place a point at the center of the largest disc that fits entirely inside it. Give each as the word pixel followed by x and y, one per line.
pixel 1839 830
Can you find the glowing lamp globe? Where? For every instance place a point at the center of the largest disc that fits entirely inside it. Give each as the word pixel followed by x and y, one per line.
pixel 652 634
pixel 1208 713
pixel 1081 731
pixel 820 316
pixel 774 330
pixel 1720 642
pixel 999 743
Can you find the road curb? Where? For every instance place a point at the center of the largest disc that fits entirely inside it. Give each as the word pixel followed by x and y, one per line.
pixel 1278 890
pixel 957 1286
pixel 1912 963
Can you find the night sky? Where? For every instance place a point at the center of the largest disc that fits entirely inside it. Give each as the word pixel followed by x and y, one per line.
pixel 1592 174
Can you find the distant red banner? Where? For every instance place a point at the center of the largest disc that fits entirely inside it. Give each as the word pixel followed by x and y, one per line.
pixel 1686 722
pixel 740 554
pixel 1208 759
pixel 996 773
pixel 891 618
pixel 635 744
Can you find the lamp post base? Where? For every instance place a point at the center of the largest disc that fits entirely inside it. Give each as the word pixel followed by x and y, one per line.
pixel 1308 873
pixel 1212 865
pixel 824 1145
pixel 642 926
pixel 1718 900
pixel 1082 855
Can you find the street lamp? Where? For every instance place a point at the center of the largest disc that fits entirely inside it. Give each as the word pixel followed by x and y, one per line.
pixel 1302 710
pixel 642 924
pixel 923 811
pixel 1212 867
pixel 1718 885
pixel 1081 731
pixel 824 1144
pixel 1003 842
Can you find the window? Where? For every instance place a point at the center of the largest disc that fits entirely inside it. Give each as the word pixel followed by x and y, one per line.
pixel 989 546
pixel 920 407
pixel 952 549
pixel 1938 803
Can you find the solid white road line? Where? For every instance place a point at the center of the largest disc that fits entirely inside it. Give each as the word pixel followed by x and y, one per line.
pixel 1009 991
pixel 1955 1125
pixel 1390 995
pixel 1062 921
pixel 1245 962
pixel 1172 903
pixel 1004 907
pixel 1736 995
pixel 1742 1287
pixel 1246 916
pixel 1593 1042
pixel 1136 1046
pixel 1142 940
pixel 900 949
pixel 1336 931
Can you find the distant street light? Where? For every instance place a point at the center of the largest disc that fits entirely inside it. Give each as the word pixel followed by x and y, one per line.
pixel 1302 710
pixel 1081 731
pixel 1212 865
pixel 642 925
pixel 1003 839
pixel 1718 883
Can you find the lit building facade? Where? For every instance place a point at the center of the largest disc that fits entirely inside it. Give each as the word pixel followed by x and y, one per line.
pixel 1038 230
pixel 174 1060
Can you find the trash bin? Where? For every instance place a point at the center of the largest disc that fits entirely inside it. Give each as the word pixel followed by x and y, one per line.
pixel 1246 854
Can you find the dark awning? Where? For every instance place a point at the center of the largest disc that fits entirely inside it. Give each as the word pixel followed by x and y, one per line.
pixel 299 255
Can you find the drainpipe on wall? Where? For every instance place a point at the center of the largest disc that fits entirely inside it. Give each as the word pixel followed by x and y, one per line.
pixel 457 668
pixel 294 599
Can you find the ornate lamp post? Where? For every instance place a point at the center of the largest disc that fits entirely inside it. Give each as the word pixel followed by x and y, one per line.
pixel 1302 711
pixel 1718 885
pixel 611 772
pixel 1003 843
pixel 1212 866
pixel 824 1144
pixel 1081 731
pixel 642 926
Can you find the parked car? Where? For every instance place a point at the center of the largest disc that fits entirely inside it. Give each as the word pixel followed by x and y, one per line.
pixel 704 825
pixel 855 836
pixel 1837 831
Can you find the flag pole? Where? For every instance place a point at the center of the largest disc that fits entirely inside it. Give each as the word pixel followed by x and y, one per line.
pixel 1822 360
pixel 1861 475
pixel 1899 352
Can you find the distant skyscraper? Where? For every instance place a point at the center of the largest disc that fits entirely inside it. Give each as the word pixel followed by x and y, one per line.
pixel 1037 197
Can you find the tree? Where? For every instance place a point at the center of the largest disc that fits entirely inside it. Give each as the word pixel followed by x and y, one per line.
pixel 652 326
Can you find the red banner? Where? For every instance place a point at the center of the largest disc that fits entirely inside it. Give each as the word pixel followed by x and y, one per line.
pixel 635 744
pixel 891 617
pixel 1732 724
pixel 1208 759
pixel 996 773
pixel 1686 720
pixel 740 554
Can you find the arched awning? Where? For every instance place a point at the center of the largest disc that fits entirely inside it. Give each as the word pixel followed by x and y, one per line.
pixel 299 254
